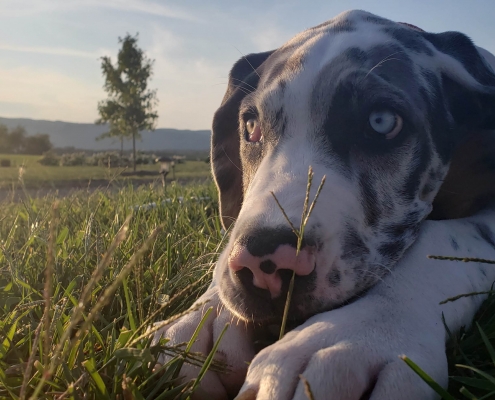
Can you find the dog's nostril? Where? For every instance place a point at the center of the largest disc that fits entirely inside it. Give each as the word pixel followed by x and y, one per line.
pixel 268 266
pixel 246 278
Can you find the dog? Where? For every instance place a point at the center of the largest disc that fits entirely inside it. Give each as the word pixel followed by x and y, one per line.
pixel 400 123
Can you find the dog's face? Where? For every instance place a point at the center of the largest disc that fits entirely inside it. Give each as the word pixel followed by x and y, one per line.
pixel 379 109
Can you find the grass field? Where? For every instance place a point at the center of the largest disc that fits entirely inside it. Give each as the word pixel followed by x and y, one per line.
pixel 37 176
pixel 77 293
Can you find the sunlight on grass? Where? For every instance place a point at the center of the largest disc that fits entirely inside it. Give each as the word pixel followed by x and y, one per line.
pixel 38 176
pixel 82 279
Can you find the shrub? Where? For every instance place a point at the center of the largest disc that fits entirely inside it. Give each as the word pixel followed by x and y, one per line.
pixel 73 159
pixel 50 159
pixel 107 159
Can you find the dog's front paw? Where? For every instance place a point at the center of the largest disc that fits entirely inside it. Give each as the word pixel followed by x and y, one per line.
pixel 349 354
pixel 235 348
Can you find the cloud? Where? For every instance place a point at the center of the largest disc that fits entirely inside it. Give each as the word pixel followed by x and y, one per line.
pixel 190 87
pixel 23 7
pixel 146 7
pixel 57 51
pixel 50 95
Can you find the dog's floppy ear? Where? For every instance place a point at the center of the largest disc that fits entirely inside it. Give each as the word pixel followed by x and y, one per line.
pixel 225 157
pixel 468 84
pixel 468 80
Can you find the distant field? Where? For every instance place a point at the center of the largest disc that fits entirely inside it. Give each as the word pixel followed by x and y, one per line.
pixel 36 176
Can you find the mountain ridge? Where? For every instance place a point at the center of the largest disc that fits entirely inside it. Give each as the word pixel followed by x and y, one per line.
pixel 83 136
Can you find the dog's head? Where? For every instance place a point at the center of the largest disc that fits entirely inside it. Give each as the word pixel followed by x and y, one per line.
pixel 382 110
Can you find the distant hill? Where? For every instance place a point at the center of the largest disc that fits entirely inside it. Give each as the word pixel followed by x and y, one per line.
pixel 83 136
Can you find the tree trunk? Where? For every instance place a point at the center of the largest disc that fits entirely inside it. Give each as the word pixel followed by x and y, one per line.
pixel 134 150
pixel 121 149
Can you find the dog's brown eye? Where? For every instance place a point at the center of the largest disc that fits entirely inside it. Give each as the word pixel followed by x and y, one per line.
pixel 253 130
pixel 386 123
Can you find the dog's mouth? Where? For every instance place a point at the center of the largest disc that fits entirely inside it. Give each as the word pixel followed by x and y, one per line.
pixel 256 305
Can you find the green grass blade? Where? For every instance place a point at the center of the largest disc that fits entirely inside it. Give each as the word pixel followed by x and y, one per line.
pixel 209 359
pixel 479 372
pixel 427 379
pixel 5 345
pixel 474 382
pixel 488 345
pixel 488 396
pixel 467 393
pixel 93 373
pixel 130 311
pixel 191 341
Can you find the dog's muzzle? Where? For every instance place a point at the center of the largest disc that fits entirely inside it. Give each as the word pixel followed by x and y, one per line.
pixel 261 255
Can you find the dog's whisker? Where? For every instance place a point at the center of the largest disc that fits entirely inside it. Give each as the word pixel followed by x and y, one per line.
pixel 246 59
pixel 245 83
pixel 242 89
pixel 232 162
pixel 383 61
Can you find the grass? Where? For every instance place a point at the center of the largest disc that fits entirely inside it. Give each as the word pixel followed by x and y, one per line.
pixel 82 277
pixel 38 176
pixel 103 351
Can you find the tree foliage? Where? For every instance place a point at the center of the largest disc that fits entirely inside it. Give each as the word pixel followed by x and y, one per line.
pixel 130 106
pixel 16 141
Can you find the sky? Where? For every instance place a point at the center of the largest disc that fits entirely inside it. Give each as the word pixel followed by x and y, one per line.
pixel 50 49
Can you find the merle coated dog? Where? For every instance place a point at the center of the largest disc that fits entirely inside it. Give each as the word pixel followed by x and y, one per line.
pixel 400 122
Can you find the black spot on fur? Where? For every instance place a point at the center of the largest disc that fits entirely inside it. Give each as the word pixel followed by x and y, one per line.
pixel 410 39
pixel 443 132
pixel 485 233
pixel 274 72
pixel 356 55
pixel 454 243
pixel 353 245
pixel 430 78
pixel 424 96
pixel 408 224
pixel 344 26
pixel 392 63
pixel 377 20
pixel 427 189
pixel 369 200
pixel 334 277
pixel 279 125
pixel 336 27
pixel 411 186
pixel 392 250
pixel 268 266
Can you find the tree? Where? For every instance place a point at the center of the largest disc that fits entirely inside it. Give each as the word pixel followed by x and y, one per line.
pixel 17 140
pixel 37 144
pixel 130 106
pixel 4 139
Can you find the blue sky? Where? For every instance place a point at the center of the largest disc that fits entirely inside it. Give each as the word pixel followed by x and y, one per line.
pixel 50 49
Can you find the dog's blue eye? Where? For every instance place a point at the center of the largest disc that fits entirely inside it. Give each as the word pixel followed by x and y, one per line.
pixel 386 123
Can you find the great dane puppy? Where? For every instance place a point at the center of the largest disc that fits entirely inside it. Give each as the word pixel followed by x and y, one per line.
pixel 398 120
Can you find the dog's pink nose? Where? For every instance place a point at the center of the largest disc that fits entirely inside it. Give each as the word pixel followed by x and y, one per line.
pixel 264 269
